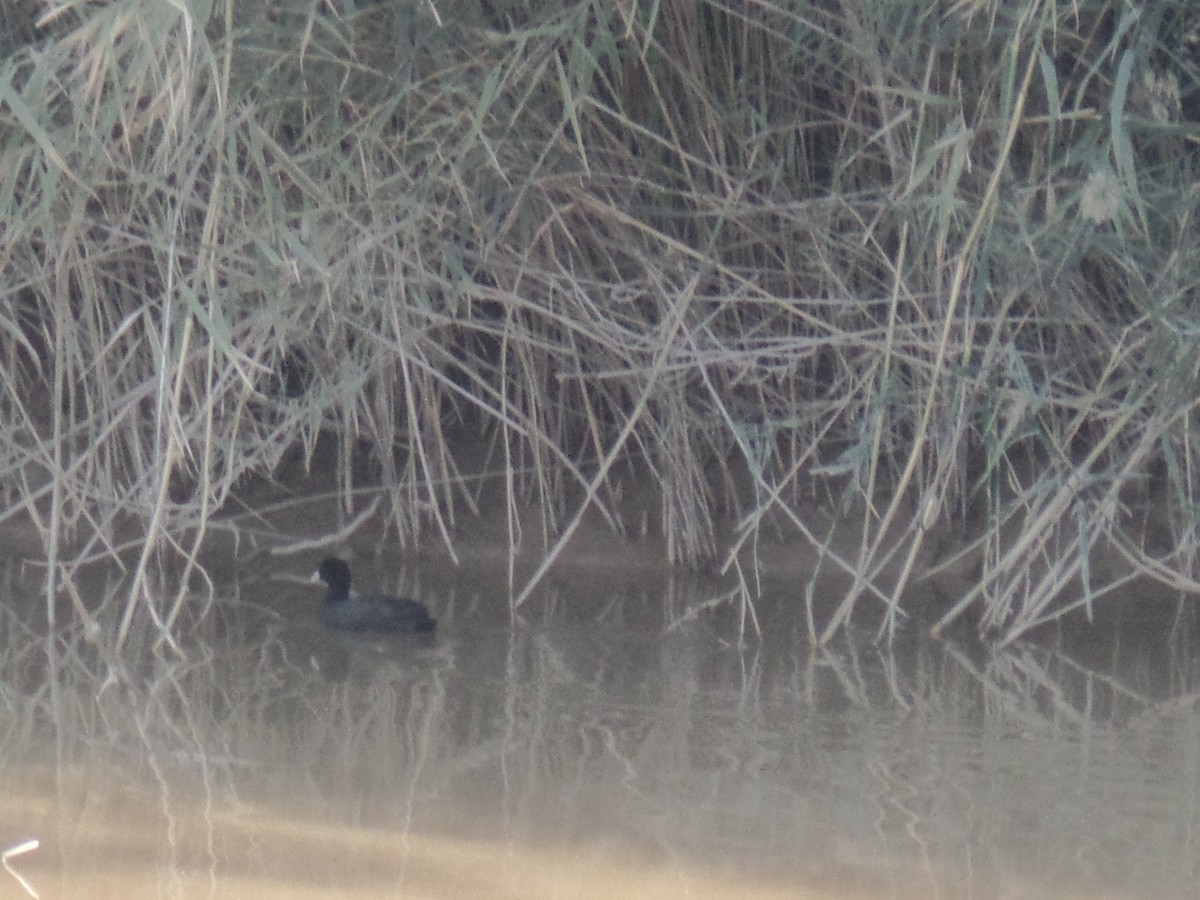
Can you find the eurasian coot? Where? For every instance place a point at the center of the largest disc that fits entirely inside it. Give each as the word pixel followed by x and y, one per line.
pixel 370 612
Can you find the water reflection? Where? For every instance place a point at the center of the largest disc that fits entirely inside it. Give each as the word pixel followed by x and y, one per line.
pixel 604 742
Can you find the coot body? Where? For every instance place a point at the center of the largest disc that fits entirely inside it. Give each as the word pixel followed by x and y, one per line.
pixel 370 612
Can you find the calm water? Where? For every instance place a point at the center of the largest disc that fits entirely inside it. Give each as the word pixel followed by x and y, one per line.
pixel 604 742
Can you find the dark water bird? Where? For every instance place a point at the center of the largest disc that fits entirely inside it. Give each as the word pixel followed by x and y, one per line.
pixel 368 612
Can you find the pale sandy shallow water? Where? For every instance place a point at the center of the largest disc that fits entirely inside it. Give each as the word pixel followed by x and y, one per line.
pixel 600 744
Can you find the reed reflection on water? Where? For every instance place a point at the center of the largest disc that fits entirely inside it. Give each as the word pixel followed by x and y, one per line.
pixel 633 750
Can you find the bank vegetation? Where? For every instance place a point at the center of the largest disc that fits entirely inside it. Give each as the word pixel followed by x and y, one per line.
pixel 930 268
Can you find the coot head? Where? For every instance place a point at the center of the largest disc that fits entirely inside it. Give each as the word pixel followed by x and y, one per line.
pixel 335 573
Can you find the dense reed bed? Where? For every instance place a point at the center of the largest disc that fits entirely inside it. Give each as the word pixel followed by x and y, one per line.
pixel 933 263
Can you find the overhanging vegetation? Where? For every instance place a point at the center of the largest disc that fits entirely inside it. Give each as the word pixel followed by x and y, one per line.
pixel 935 263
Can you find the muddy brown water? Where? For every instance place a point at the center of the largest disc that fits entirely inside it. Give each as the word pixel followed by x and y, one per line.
pixel 613 738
